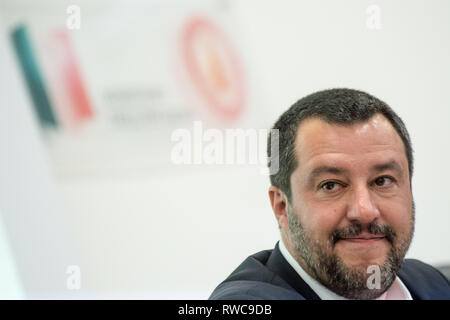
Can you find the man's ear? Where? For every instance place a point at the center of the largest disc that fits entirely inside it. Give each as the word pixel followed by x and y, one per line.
pixel 278 200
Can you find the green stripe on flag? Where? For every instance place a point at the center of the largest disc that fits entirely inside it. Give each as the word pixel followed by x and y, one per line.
pixel 33 77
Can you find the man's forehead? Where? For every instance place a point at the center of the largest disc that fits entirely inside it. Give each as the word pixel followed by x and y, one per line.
pixel 317 139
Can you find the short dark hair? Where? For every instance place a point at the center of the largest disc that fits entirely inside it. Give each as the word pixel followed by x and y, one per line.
pixel 334 106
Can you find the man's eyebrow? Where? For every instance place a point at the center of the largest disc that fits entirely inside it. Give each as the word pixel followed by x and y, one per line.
pixel 391 165
pixel 325 169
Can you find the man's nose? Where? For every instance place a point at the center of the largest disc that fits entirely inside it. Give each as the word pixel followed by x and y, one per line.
pixel 362 206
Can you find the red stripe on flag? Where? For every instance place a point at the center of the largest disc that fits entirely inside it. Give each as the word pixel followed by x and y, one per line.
pixel 70 74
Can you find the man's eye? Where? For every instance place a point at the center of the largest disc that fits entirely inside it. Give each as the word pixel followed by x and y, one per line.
pixel 383 181
pixel 330 186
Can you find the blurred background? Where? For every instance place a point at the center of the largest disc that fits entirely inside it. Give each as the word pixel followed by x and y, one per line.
pixel 92 204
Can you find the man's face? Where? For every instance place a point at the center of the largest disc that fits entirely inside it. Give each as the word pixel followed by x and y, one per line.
pixel 352 205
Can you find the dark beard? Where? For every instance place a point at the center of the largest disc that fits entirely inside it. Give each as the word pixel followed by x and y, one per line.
pixel 330 270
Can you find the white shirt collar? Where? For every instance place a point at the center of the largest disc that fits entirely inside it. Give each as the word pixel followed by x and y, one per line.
pixel 397 291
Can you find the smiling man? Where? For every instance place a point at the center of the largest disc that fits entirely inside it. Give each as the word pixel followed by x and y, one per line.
pixel 343 201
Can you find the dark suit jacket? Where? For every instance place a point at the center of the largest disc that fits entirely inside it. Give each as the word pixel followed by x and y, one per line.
pixel 267 275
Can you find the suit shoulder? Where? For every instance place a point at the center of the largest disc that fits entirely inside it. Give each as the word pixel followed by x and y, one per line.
pixel 424 280
pixel 423 269
pixel 253 280
pixel 253 290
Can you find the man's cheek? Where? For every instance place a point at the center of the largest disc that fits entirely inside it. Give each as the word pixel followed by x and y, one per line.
pixel 400 219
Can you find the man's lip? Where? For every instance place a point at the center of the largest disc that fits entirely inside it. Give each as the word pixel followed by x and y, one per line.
pixel 363 238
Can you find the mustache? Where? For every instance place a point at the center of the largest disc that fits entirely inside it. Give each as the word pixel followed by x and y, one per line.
pixel 356 228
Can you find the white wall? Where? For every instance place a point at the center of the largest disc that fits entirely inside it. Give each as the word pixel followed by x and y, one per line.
pixel 36 239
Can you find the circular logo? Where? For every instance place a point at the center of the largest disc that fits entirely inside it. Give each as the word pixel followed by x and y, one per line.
pixel 213 68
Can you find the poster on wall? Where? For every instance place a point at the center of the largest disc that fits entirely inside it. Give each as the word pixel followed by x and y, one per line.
pixel 110 93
